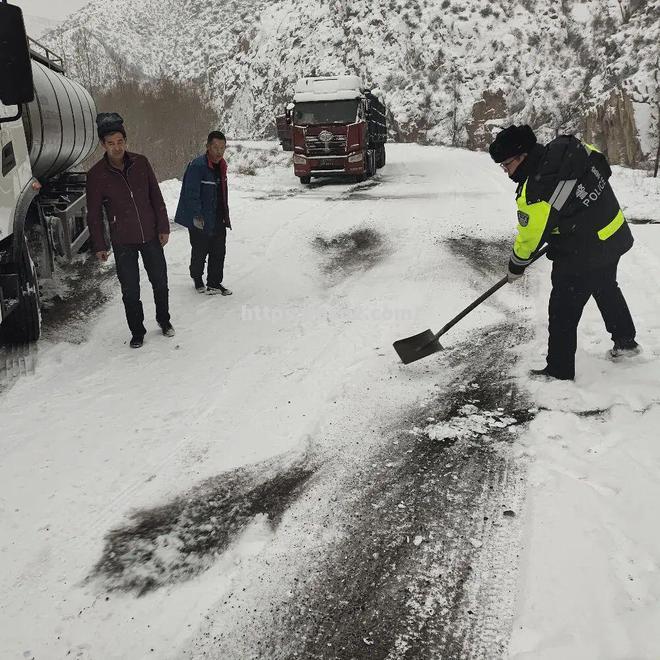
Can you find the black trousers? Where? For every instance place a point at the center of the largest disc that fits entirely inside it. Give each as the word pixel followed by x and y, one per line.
pixel 213 246
pixel 570 292
pixel 128 272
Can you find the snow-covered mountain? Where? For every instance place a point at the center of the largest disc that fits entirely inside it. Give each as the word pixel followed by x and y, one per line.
pixel 36 26
pixel 446 68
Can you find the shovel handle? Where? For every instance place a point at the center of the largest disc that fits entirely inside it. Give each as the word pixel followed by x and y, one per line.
pixel 483 297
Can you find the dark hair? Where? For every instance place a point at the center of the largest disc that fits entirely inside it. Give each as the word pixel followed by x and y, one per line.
pixel 216 135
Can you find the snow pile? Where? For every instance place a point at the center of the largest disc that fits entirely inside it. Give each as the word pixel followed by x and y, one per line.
pixel 638 193
pixel 242 160
pixel 469 423
pixel 327 89
pixel 591 562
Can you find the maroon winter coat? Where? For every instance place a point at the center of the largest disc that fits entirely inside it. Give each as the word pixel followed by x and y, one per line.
pixel 132 199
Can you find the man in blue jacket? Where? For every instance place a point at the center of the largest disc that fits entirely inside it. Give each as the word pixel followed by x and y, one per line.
pixel 204 210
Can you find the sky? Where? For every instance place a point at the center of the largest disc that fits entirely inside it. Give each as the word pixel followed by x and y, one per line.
pixel 48 8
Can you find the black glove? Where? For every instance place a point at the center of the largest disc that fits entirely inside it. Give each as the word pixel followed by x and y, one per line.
pixel 512 277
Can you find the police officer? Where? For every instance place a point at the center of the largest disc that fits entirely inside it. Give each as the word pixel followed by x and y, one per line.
pixel 564 199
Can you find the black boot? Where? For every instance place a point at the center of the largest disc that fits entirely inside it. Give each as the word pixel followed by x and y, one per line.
pixel 546 374
pixel 168 329
pixel 625 348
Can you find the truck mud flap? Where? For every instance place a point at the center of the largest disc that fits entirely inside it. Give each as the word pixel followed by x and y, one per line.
pixel 9 294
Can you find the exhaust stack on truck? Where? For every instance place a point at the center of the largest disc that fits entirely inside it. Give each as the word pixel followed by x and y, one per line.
pixel 338 128
pixel 46 129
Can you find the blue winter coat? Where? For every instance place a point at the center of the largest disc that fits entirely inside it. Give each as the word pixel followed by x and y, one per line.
pixel 199 195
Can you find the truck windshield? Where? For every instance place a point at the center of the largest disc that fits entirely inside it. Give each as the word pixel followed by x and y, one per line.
pixel 326 112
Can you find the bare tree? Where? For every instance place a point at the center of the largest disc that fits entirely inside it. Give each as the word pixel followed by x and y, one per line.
pixel 119 68
pixel 652 98
pixel 624 11
pixel 85 63
pixel 656 77
pixel 165 119
pixel 455 90
pixel 628 8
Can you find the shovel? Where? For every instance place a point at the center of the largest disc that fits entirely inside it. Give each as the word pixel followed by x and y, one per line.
pixel 425 343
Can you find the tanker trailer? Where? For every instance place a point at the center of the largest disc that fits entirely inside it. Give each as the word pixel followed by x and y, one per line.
pixel 46 131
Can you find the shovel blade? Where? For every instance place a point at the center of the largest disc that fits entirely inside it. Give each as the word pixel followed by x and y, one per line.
pixel 416 347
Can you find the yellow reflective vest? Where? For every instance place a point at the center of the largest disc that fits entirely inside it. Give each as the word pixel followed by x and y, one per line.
pixel 573 215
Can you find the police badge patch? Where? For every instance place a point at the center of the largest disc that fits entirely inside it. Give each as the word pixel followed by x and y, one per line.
pixel 523 219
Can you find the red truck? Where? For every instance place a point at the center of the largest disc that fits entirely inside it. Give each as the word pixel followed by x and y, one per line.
pixel 283 127
pixel 338 129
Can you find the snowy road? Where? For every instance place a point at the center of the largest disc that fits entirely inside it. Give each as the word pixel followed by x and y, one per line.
pixel 271 482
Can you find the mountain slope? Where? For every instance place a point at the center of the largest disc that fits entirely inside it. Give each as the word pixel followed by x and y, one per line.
pixel 38 25
pixel 542 61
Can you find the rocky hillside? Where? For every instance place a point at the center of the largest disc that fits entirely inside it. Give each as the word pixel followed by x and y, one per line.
pixel 447 69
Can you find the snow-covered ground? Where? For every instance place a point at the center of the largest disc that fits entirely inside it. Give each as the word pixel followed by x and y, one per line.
pixel 296 370
pixel 590 584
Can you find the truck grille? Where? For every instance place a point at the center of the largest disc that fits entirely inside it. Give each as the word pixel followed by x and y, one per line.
pixel 315 147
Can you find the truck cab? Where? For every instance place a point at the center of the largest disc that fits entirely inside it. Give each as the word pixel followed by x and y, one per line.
pixel 338 128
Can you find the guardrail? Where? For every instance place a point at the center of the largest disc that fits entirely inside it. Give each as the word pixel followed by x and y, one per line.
pixel 45 56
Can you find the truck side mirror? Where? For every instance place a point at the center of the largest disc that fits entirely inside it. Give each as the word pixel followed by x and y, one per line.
pixel 16 86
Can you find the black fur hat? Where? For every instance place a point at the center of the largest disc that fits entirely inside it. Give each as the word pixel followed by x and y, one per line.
pixel 512 141
pixel 109 122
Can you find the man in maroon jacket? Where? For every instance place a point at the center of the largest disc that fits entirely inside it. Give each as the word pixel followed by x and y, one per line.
pixel 123 185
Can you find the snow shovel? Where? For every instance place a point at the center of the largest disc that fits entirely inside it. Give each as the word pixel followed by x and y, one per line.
pixel 425 343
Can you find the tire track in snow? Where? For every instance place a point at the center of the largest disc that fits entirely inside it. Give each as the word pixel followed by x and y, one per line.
pixel 422 558
pixel 16 361
pixel 78 291
pixel 327 207
pixel 350 252
pixel 178 540
pixel 423 562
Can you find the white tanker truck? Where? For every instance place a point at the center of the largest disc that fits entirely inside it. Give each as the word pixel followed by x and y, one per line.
pixel 46 129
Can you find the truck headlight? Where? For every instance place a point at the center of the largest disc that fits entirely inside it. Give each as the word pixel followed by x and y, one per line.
pixel 355 158
pixel 299 160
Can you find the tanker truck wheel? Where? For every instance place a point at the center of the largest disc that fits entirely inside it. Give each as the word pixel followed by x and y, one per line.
pixel 381 156
pixel 305 179
pixel 371 162
pixel 23 325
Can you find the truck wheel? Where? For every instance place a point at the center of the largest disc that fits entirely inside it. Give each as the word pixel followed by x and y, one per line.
pixel 380 160
pixel 305 179
pixel 23 325
pixel 371 162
